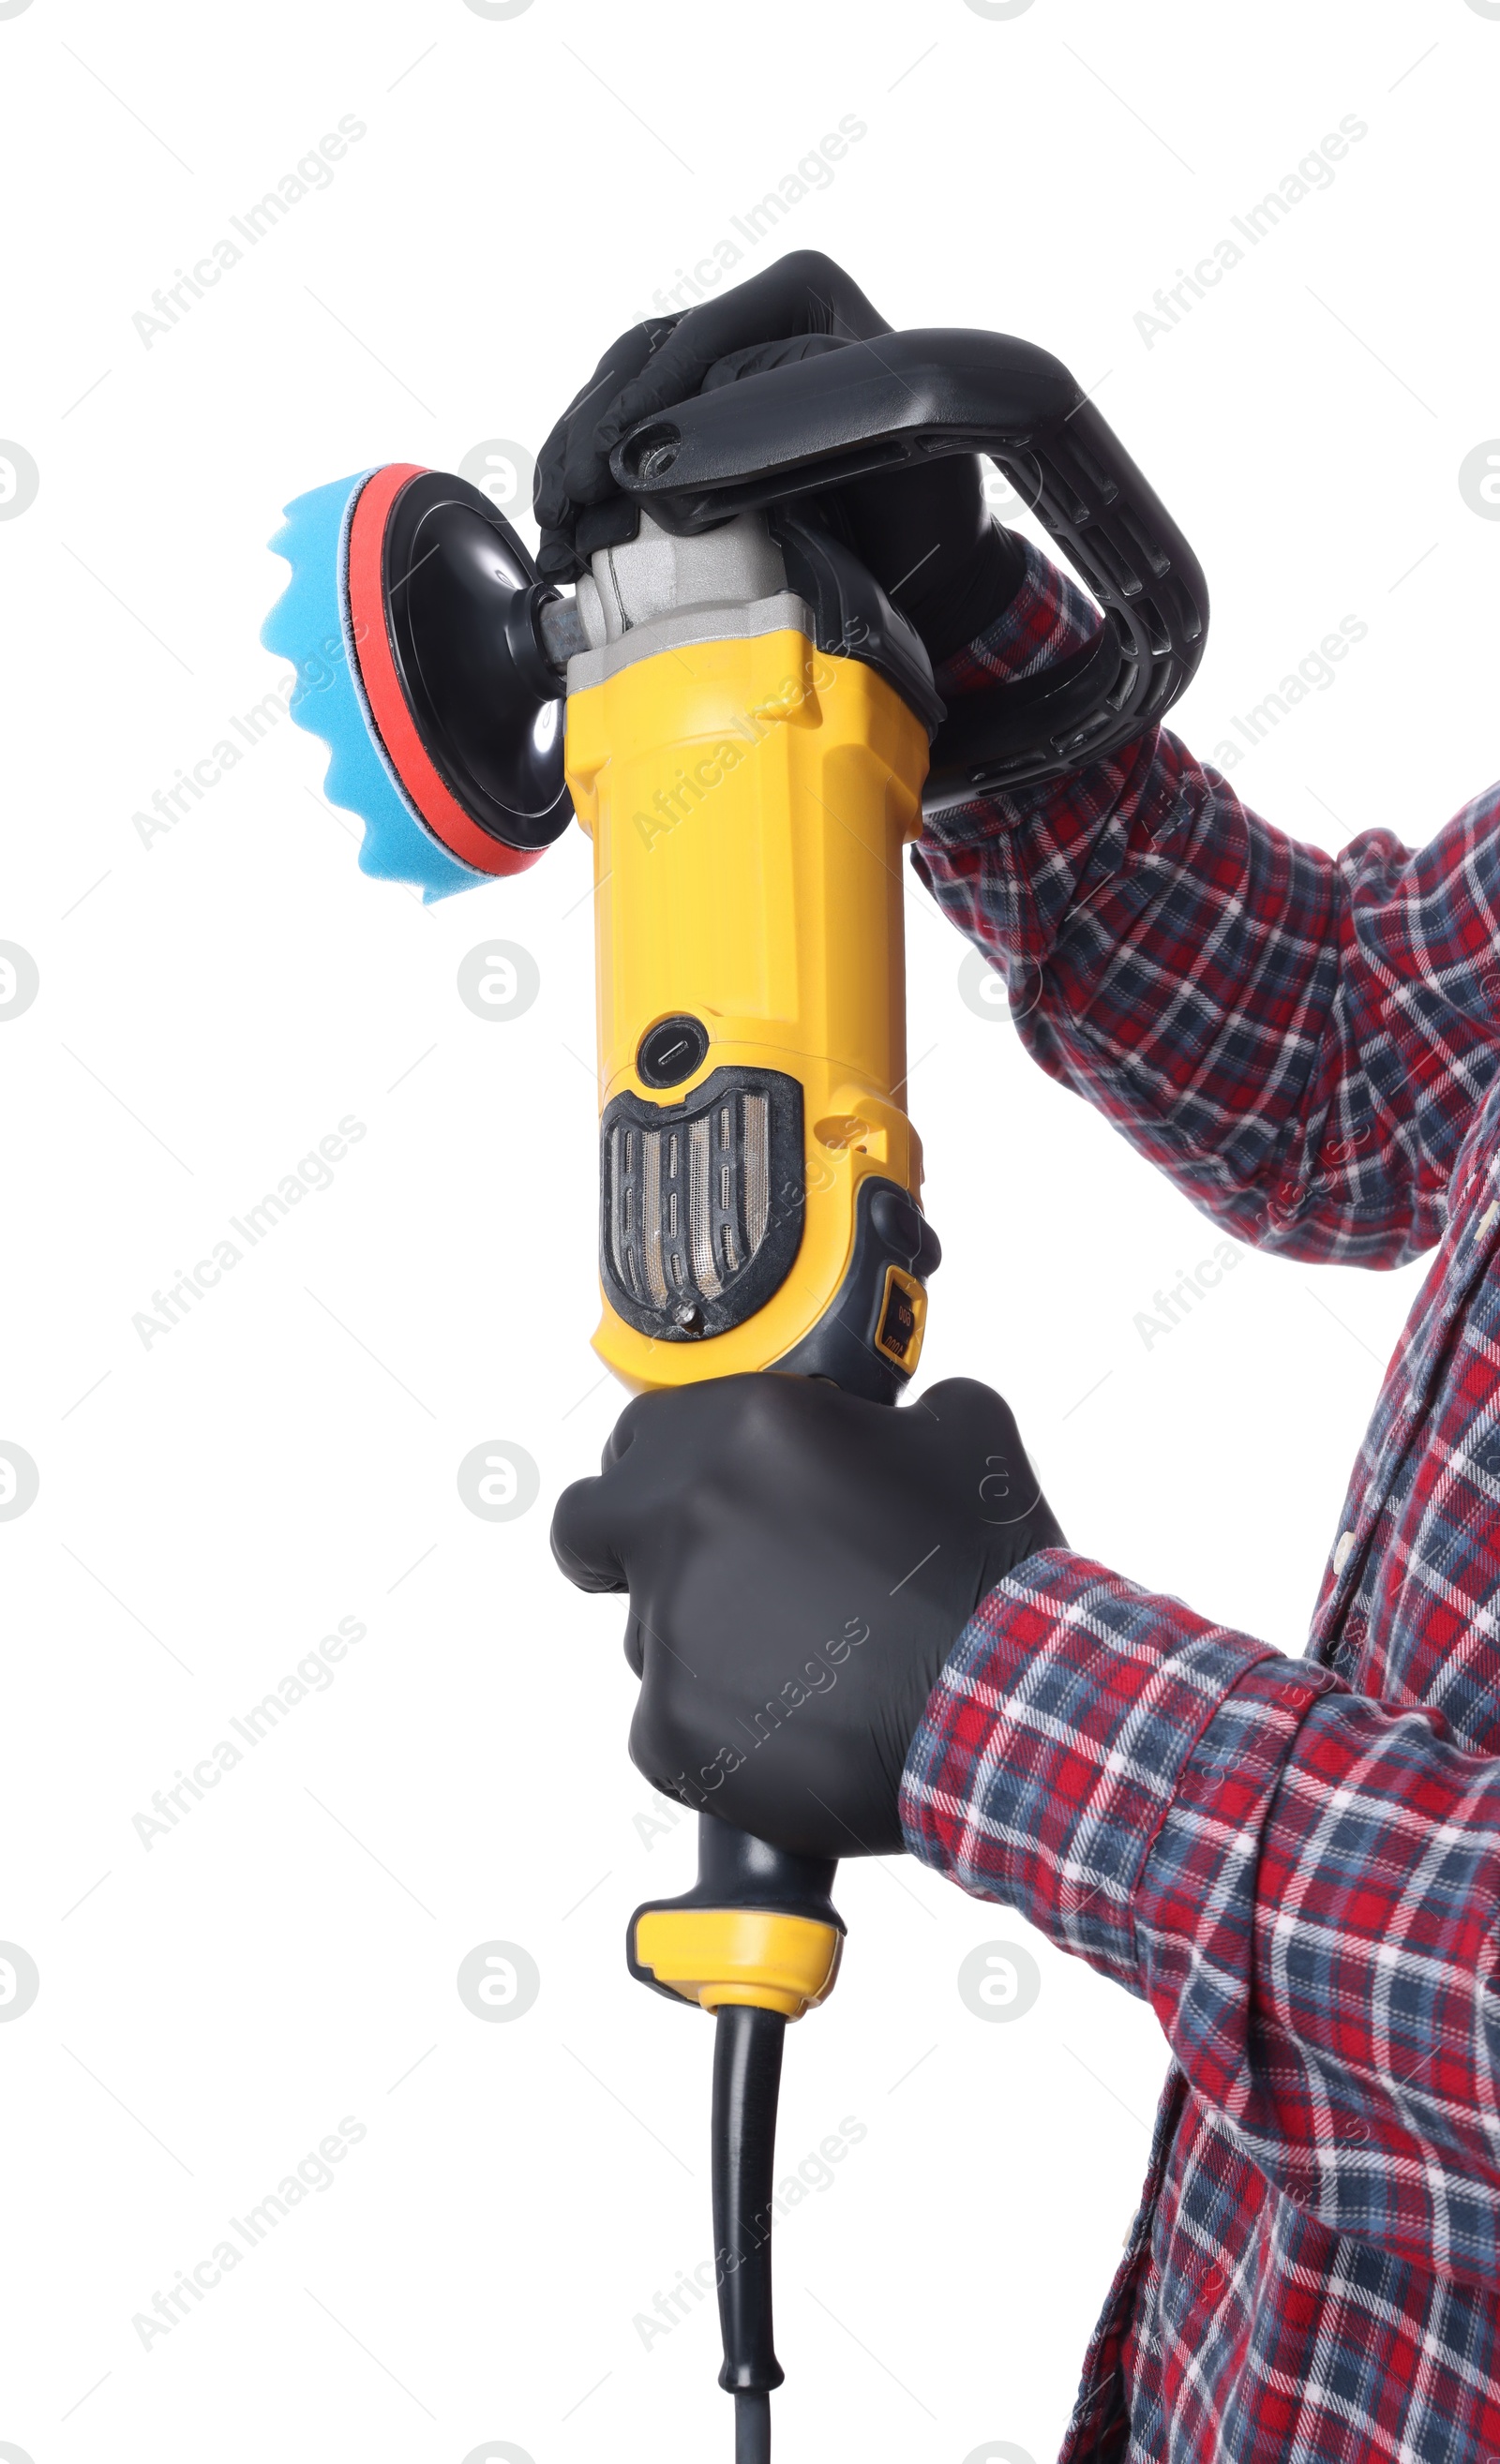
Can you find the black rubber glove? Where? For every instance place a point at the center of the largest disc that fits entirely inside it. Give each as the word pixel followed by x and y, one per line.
pixel 570 471
pixel 924 533
pixel 800 1564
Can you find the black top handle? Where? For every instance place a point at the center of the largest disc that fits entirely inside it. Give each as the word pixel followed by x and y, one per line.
pixel 797 431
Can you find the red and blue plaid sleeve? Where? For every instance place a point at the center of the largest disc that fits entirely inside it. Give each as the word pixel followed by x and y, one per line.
pixel 1305 1884
pixel 1297 1039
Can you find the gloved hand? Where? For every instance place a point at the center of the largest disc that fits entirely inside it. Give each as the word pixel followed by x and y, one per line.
pixel 924 532
pixel 800 1564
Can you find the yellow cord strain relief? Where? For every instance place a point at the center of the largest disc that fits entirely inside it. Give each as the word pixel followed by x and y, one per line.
pixel 717 1955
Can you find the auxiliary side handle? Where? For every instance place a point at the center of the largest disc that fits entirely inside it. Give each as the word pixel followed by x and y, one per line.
pixel 875 406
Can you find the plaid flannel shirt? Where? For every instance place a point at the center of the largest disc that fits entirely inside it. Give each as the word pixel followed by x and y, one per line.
pixel 1296 1862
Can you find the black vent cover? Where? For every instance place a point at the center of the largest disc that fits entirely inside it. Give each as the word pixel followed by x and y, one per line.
pixel 701 1202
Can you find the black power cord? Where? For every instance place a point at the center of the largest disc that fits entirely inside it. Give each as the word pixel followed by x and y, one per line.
pixel 739 1873
pixel 752 2427
pixel 747 2079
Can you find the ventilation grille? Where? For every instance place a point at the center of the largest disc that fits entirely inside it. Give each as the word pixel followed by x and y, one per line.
pixel 702 1202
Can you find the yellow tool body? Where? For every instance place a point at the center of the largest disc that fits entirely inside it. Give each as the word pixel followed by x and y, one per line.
pixel 749 793
pixel 748 802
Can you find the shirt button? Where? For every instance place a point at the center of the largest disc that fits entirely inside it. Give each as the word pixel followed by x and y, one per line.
pixel 1485 1221
pixel 1345 1541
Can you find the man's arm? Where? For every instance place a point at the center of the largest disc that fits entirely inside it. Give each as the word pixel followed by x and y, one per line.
pixel 1305 1884
pixel 1299 1039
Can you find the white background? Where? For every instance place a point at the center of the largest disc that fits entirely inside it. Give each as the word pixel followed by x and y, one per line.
pixel 212 1003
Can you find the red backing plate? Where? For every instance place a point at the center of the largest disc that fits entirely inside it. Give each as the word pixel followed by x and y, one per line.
pixel 439 807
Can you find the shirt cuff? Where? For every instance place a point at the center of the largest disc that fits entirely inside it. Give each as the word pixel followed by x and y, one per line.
pixel 1054 1742
pixel 1048 618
